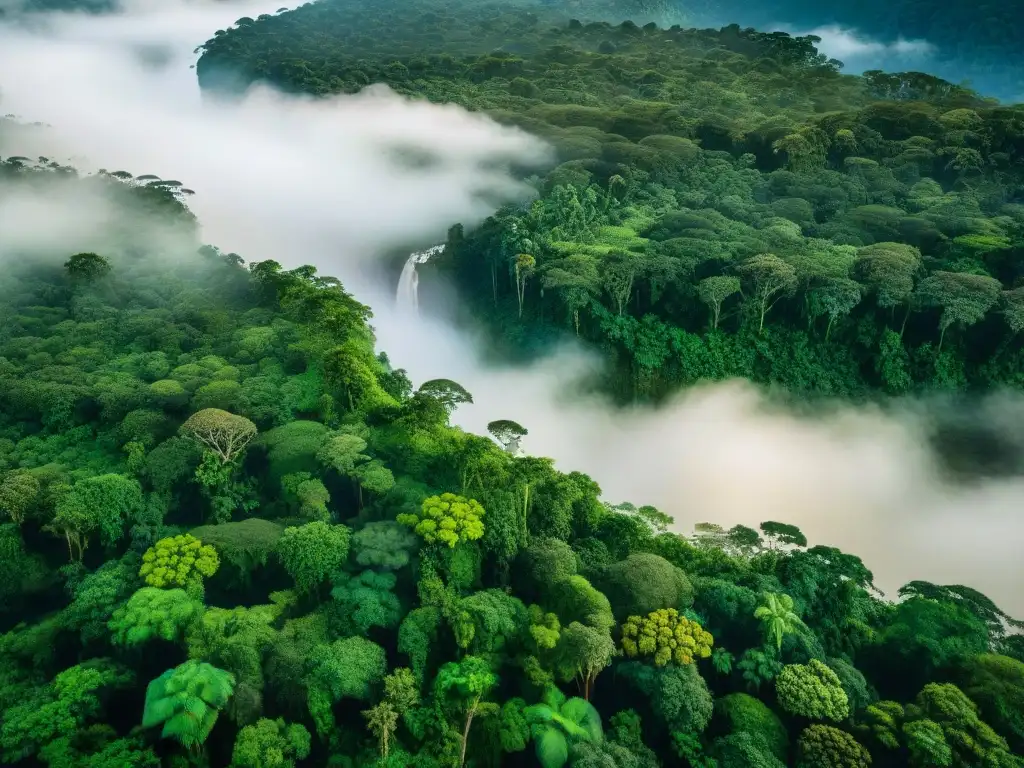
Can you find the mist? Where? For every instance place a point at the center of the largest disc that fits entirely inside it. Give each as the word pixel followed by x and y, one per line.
pixel 304 182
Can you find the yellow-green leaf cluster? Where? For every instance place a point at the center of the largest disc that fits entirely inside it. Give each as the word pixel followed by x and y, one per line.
pixel 447 519
pixel 666 636
pixel 174 561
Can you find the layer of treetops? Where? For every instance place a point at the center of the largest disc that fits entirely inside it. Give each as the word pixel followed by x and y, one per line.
pixel 726 202
pixel 234 535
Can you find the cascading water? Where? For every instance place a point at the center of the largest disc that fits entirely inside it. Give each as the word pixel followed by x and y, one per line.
pixel 407 295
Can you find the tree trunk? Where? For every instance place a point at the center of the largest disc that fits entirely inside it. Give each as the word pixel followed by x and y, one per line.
pixel 494 282
pixel 905 318
pixel 942 336
pixel 828 329
pixel 465 734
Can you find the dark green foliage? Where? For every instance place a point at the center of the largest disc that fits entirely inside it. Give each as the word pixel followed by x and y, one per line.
pixel 365 601
pixel 246 544
pixel 863 217
pixel 678 695
pixel 643 583
pixel 822 746
pixel 723 203
pixel 745 714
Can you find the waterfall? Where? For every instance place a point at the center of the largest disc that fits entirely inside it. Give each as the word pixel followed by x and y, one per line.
pixel 407 295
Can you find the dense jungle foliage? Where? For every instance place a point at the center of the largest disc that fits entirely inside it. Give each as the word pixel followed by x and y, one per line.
pixel 234 536
pixel 728 203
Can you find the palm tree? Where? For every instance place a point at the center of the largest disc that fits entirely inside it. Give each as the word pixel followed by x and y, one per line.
pixel 778 617
pixel 187 701
pixel 557 722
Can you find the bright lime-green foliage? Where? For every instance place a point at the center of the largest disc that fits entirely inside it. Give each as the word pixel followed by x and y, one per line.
pixel 778 618
pixel 311 552
pixel 667 637
pixel 270 744
pixel 447 519
pixel 178 560
pixel 186 701
pixel 812 690
pixel 154 613
pixel 557 722
pixel 822 746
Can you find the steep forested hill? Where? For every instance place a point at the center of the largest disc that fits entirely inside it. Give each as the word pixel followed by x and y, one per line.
pixel 727 202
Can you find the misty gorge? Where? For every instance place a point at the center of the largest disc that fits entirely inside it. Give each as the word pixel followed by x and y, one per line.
pixel 558 383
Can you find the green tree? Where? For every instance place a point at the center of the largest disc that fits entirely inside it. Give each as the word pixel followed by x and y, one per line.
pixel 346 668
pixel 666 636
pixel 770 279
pixel 401 693
pixel 18 491
pixel 87 267
pixel 963 298
pixel 98 595
pixel 224 434
pixel 782 533
pixel 186 701
pixel 508 433
pixel 104 503
pixel 365 601
pixel 996 684
pixel 836 298
pixel 270 744
pixel 152 612
pixel 446 519
pixel 385 544
pixel 822 746
pixel 311 552
pixel 778 618
pixel 679 696
pixel 461 686
pixel 744 713
pixel 178 561
pixel 812 690
pixel 58 709
pixel 714 290
pixel 581 654
pixel 643 583
pixel 557 723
